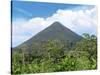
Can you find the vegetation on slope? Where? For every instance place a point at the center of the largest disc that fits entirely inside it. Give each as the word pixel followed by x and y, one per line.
pixel 54 57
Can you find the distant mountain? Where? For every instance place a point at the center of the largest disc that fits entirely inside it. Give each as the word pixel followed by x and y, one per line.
pixel 54 31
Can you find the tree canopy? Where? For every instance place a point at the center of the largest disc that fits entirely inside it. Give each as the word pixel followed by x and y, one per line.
pixel 57 56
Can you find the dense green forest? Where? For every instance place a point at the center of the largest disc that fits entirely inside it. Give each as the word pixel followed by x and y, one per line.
pixel 57 56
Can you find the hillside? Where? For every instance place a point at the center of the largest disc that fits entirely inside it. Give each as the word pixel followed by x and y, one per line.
pixel 55 31
pixel 55 49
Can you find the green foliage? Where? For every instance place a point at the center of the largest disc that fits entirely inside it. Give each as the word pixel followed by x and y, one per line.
pixel 56 57
pixel 53 49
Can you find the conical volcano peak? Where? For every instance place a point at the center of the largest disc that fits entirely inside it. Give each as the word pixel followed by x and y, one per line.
pixel 55 31
pixel 56 23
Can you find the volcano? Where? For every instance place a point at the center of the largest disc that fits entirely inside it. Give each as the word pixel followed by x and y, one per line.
pixel 53 32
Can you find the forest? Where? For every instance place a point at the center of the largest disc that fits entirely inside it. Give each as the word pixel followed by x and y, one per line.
pixel 56 56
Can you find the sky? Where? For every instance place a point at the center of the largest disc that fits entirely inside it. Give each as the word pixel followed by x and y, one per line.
pixel 29 18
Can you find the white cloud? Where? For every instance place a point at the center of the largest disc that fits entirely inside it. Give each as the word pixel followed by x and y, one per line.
pixel 79 21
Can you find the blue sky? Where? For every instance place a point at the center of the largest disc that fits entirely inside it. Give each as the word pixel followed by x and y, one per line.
pixel 29 9
pixel 29 18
